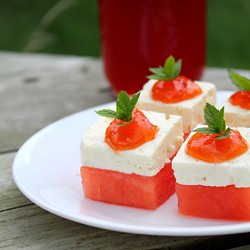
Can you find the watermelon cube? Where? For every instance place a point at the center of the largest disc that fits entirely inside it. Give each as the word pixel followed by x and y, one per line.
pixel 133 190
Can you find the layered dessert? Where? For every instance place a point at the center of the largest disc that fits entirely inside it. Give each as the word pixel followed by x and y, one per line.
pixel 212 170
pixel 237 107
pixel 171 93
pixel 126 155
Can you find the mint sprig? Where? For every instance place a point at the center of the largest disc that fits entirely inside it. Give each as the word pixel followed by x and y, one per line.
pixel 215 120
pixel 169 71
pixel 124 108
pixel 240 81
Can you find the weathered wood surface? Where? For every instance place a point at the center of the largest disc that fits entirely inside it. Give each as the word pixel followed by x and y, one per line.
pixel 36 90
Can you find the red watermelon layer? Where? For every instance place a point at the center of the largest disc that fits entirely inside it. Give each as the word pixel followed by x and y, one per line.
pixel 227 202
pixel 133 190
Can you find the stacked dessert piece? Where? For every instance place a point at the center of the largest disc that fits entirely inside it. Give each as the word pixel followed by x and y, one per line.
pixel 171 93
pixel 126 155
pixel 212 167
pixel 212 170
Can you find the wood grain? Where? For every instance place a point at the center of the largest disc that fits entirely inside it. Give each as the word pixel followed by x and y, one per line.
pixel 10 196
pixel 36 90
pixel 33 228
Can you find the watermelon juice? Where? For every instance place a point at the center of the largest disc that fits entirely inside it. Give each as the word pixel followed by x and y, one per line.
pixel 138 34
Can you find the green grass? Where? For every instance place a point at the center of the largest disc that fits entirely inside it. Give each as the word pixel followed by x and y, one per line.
pixel 228 33
pixel 75 30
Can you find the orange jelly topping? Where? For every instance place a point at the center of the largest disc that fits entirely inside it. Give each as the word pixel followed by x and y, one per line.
pixel 206 148
pixel 133 134
pixel 176 90
pixel 241 98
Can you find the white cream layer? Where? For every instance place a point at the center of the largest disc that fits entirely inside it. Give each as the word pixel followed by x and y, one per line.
pixel 191 171
pixel 146 159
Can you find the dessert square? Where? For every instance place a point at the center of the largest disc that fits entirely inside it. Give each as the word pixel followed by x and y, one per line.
pixel 191 110
pixel 214 190
pixel 140 177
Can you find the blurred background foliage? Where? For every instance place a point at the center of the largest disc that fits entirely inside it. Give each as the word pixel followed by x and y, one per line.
pixel 71 27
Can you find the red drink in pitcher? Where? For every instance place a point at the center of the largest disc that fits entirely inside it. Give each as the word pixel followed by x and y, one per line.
pixel 138 34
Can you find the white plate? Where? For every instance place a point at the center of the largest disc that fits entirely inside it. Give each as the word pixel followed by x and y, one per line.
pixel 46 170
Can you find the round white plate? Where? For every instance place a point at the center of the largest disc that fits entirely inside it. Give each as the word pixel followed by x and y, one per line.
pixel 46 170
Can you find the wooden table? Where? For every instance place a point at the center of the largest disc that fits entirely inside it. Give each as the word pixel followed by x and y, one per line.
pixel 36 90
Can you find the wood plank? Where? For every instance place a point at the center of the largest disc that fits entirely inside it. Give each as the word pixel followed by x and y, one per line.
pixel 10 196
pixel 241 248
pixel 36 90
pixel 33 228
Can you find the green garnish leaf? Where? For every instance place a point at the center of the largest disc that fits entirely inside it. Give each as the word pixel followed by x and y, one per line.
pixel 206 130
pixel 215 120
pixel 124 108
pixel 225 135
pixel 107 112
pixel 240 81
pixel 122 124
pixel 169 66
pixel 170 70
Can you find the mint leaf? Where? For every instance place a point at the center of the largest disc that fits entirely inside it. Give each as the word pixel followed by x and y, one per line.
pixel 122 124
pixel 209 115
pixel 225 135
pixel 122 104
pixel 221 121
pixel 214 118
pixel 124 108
pixel 107 113
pixel 157 77
pixel 177 68
pixel 157 71
pixel 205 130
pixel 133 102
pixel 169 66
pixel 169 71
pixel 240 81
